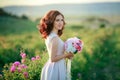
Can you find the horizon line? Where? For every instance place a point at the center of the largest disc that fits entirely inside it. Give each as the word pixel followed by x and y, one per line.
pixel 61 3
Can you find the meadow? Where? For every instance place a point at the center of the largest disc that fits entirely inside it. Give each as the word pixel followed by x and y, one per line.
pixel 99 59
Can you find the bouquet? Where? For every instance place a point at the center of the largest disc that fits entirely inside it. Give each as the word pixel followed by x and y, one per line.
pixel 72 45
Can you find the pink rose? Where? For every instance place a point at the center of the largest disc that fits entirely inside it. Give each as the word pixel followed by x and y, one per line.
pixel 33 58
pixel 78 48
pixel 37 57
pixel 12 69
pixel 23 61
pixel 17 63
pixel 23 66
pixel 25 74
pixel 19 69
pixel 23 55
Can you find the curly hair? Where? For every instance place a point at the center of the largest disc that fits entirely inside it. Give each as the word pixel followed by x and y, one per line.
pixel 46 23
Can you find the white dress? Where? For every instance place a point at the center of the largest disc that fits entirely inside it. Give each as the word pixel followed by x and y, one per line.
pixel 54 70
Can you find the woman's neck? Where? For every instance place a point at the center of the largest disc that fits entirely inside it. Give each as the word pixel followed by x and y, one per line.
pixel 55 31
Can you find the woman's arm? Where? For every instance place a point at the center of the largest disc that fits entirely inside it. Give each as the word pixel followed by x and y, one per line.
pixel 54 48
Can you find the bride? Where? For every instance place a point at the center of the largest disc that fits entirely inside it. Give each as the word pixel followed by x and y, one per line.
pixel 51 28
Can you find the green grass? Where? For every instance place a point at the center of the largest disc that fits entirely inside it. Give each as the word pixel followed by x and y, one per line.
pixel 99 59
pixel 14 26
pixel 103 64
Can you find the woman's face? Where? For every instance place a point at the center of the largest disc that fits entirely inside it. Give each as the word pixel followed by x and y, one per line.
pixel 59 22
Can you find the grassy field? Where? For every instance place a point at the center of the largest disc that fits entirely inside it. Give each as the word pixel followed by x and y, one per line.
pixel 99 59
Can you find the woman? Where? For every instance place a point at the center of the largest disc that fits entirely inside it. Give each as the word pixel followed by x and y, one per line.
pixel 51 28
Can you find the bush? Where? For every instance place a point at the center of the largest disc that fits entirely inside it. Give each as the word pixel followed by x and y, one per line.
pixel 102 25
pixel 24 17
pixel 76 27
pixel 27 69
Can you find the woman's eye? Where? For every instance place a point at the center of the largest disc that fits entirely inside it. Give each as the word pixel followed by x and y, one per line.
pixel 59 20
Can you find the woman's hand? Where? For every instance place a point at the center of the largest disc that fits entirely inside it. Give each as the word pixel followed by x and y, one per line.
pixel 69 55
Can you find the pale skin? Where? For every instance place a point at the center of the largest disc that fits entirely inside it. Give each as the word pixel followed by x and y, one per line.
pixel 58 24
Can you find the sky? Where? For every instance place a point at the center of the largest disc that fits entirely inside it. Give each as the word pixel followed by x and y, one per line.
pixel 4 3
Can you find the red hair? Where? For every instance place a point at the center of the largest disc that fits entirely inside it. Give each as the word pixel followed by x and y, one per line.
pixel 46 23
